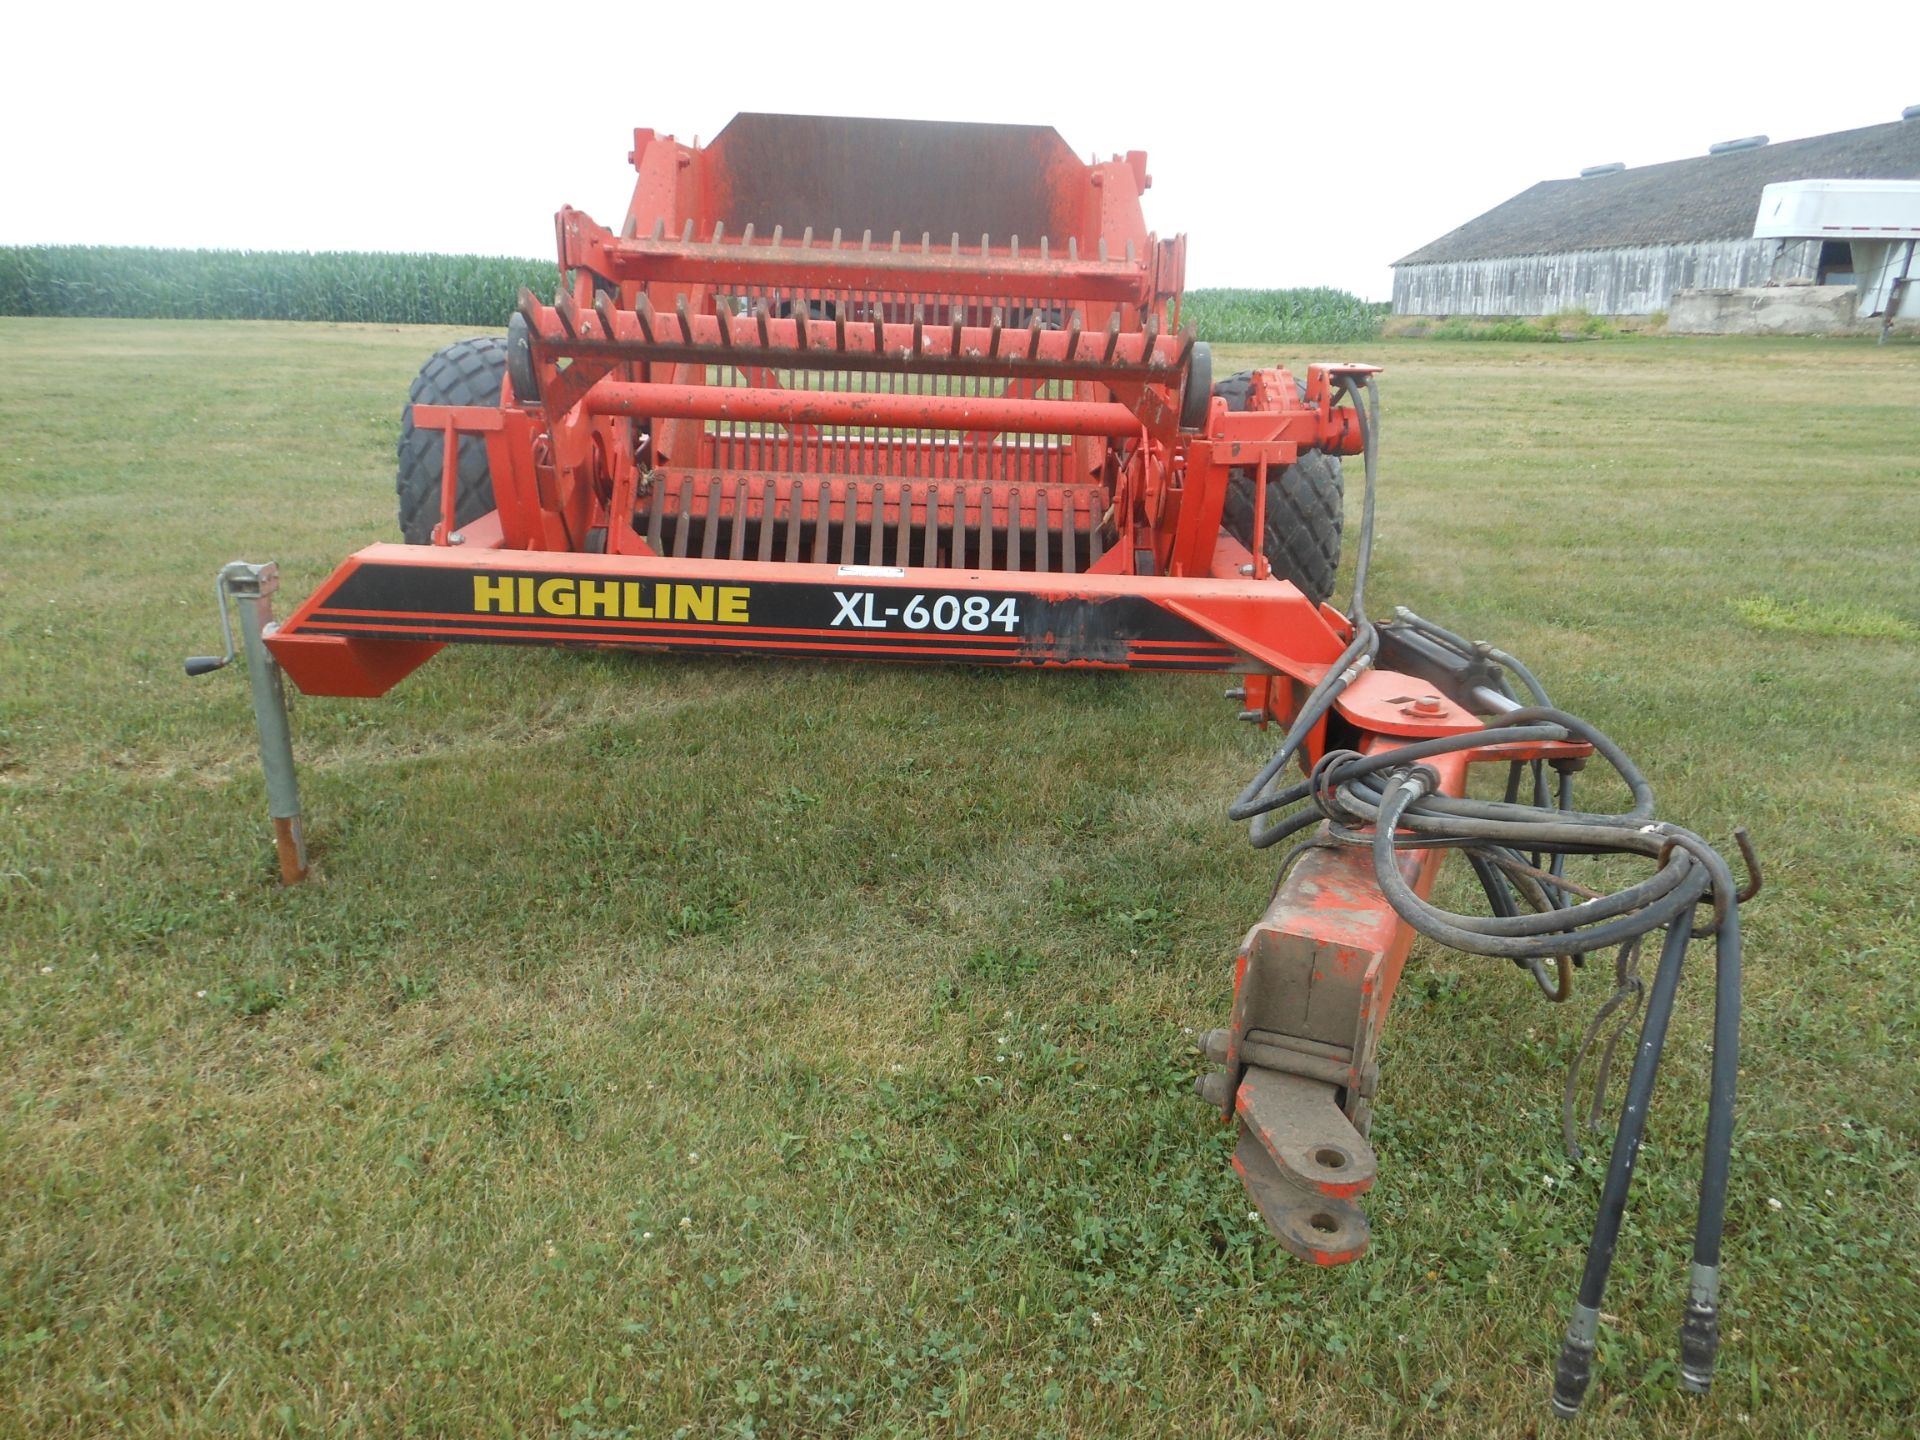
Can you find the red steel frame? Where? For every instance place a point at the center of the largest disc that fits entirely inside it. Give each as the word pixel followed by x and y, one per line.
pixel 633 369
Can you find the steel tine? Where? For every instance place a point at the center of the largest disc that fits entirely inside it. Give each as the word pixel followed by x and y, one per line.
pixel 764 549
pixel 683 499
pixel 710 529
pixel 656 506
pixel 603 312
pixel 1042 532
pixel 737 542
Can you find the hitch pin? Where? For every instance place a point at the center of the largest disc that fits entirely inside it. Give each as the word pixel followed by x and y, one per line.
pixel 251 589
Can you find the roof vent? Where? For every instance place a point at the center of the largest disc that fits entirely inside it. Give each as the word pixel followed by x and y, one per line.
pixel 1612 167
pixel 1746 142
pixel 1912 112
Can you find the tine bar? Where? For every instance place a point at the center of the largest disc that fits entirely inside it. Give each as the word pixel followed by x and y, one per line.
pixel 710 531
pixel 737 543
pixel 683 500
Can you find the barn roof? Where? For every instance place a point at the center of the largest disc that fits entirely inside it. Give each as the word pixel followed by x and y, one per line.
pixel 1704 197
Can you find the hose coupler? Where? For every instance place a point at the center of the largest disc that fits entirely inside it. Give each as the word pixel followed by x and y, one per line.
pixel 1574 1369
pixel 1700 1330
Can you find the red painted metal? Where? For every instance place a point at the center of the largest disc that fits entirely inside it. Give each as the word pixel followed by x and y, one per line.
pixel 918 392
pixel 816 407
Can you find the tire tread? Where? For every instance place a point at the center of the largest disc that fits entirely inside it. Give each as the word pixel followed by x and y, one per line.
pixel 467 372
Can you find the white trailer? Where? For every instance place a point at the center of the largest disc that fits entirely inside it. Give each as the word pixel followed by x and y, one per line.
pixel 1878 219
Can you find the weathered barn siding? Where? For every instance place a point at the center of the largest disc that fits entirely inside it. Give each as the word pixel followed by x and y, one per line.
pixel 1634 280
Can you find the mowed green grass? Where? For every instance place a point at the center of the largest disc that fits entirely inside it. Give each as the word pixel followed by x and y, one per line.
pixel 720 1047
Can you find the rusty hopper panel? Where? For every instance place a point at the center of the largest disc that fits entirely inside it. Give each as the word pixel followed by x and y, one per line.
pixel 914 176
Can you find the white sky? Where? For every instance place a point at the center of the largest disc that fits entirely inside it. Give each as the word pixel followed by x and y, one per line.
pixel 1295 144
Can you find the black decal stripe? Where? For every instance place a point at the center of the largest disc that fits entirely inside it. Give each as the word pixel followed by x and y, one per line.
pixel 590 627
pixel 595 628
pixel 899 645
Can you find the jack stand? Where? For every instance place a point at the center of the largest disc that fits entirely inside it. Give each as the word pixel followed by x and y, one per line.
pixel 251 587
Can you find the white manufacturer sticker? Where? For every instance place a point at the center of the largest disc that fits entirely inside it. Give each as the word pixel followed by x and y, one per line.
pixel 872 572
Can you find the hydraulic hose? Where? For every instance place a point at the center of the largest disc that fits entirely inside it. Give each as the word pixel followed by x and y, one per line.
pixel 1357 657
pixel 1386 802
pixel 1575 1366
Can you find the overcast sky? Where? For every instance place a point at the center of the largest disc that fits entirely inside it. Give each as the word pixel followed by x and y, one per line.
pixel 1295 144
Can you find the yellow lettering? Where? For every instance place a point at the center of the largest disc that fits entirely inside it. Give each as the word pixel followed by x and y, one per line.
pixel 693 602
pixel 733 604
pixel 493 593
pixel 600 597
pixel 525 607
pixel 556 597
pixel 634 609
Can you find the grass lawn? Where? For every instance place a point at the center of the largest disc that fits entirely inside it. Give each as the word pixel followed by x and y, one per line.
pixel 720 1047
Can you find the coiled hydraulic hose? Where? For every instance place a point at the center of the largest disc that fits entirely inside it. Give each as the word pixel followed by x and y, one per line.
pixel 1388 801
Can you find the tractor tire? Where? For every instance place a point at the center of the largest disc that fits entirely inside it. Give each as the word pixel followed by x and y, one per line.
pixel 1303 508
pixel 467 372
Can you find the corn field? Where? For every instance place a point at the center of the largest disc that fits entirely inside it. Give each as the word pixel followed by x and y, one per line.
pixel 146 284
pixel 130 283
pixel 1318 316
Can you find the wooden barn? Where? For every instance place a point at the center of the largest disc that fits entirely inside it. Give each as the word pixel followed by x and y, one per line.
pixel 1616 241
